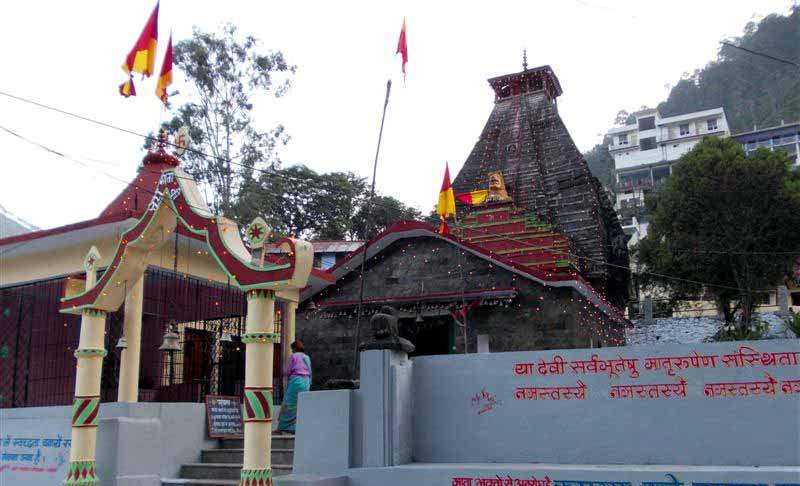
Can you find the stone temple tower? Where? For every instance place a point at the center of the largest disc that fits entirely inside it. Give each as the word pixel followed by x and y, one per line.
pixel 546 174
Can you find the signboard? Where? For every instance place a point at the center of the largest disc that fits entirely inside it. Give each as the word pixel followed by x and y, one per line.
pixel 34 451
pixel 224 415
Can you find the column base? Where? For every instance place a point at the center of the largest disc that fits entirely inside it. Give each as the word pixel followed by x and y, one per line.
pixel 256 477
pixel 83 473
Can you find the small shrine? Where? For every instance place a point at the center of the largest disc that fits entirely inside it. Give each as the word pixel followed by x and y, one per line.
pixel 502 281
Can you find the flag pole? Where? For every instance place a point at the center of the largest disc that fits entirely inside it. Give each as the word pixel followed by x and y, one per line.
pixel 367 223
pixel 463 284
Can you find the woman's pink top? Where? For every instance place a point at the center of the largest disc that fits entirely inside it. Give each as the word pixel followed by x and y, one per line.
pixel 298 365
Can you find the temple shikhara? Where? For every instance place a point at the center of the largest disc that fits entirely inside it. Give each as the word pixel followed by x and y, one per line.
pixel 527 141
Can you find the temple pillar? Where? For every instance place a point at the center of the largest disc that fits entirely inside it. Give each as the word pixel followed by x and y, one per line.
pixel 132 330
pixel 288 334
pixel 85 408
pixel 259 337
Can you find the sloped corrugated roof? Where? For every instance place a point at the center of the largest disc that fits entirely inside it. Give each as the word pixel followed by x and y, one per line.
pixel 11 225
pixel 325 246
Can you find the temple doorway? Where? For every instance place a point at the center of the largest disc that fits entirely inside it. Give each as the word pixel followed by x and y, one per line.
pixel 434 335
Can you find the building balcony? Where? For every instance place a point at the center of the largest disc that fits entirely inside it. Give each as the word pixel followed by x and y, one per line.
pixel 634 145
pixel 632 185
pixel 772 142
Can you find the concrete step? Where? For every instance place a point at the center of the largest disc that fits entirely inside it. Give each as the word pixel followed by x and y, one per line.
pixel 224 471
pixel 282 441
pixel 236 456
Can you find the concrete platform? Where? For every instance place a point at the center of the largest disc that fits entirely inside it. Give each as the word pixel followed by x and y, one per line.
pixel 423 474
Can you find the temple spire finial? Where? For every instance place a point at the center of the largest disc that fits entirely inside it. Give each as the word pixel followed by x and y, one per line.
pixel 524 59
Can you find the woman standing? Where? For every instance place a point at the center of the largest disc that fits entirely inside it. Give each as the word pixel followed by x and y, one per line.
pixel 299 377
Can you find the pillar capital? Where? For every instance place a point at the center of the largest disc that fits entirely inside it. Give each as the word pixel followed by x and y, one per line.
pixel 92 312
pixel 260 294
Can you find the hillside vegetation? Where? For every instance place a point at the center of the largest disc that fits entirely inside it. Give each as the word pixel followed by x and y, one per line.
pixel 753 89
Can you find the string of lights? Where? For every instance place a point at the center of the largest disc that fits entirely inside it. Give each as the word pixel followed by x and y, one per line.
pixel 628 268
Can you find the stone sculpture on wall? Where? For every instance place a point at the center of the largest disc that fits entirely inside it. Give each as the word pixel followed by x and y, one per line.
pixel 385 333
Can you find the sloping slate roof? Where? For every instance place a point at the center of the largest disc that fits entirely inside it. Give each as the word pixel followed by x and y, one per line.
pixel 325 246
pixel 413 229
pixel 11 225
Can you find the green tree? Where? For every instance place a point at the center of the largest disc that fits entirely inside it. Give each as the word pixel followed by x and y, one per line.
pixel 753 89
pixel 296 200
pixel 226 72
pixel 601 164
pixel 725 225
pixel 385 211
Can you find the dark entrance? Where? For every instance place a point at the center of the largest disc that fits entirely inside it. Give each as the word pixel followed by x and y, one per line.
pixel 434 335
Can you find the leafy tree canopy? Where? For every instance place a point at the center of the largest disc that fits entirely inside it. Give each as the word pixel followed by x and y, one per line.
pixel 226 72
pixel 753 90
pixel 601 164
pixel 385 211
pixel 298 201
pixel 725 225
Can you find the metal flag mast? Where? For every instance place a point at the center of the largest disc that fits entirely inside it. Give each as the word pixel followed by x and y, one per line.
pixel 367 221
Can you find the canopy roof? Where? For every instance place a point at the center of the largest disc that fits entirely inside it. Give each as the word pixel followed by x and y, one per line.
pixel 176 202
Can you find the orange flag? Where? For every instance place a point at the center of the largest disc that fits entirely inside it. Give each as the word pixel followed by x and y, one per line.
pixel 142 57
pixel 402 47
pixel 447 201
pixel 474 197
pixel 165 78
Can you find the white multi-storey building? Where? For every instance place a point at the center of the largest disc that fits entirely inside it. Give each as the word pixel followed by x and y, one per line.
pixel 644 153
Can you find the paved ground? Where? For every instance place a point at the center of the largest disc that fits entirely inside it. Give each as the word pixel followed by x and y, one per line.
pixel 692 330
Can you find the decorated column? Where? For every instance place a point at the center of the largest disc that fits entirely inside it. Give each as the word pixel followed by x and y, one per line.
pixel 85 408
pixel 290 309
pixel 259 338
pixel 132 330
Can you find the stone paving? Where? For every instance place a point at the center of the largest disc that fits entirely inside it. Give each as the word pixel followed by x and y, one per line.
pixel 692 330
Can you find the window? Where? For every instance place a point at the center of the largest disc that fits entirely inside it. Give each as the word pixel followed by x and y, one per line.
pixel 712 124
pixel 648 123
pixel 648 143
pixel 684 129
pixel 623 139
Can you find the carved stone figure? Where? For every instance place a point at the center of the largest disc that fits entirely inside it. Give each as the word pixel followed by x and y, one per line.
pixel 497 188
pixel 385 334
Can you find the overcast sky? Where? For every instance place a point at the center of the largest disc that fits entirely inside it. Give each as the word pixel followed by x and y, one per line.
pixel 608 55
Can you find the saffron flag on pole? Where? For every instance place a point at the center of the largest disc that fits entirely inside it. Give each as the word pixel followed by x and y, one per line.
pixel 402 47
pixel 474 197
pixel 447 202
pixel 165 78
pixel 142 58
pixel 127 88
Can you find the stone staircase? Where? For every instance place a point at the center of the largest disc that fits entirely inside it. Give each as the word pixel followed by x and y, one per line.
pixel 221 466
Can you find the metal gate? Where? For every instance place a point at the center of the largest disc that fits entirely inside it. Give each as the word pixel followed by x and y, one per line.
pixel 211 358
